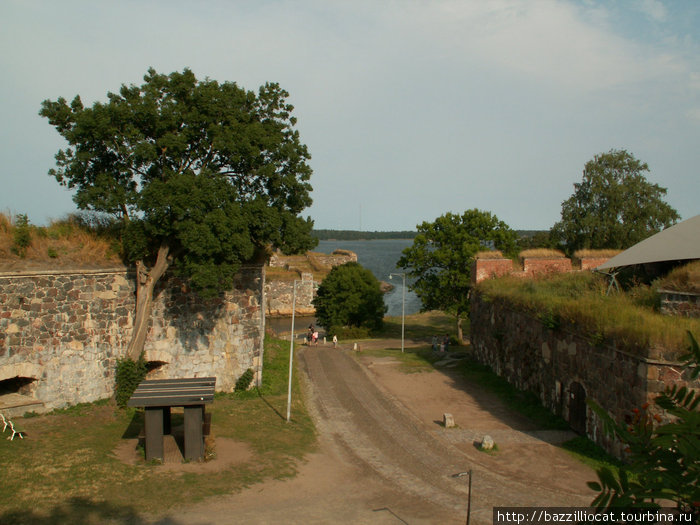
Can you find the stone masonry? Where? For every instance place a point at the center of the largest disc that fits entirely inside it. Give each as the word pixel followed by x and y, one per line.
pixel 64 331
pixel 564 368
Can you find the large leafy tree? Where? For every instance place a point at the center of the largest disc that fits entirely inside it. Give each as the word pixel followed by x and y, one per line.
pixel 439 261
pixel 350 295
pixel 614 206
pixel 203 177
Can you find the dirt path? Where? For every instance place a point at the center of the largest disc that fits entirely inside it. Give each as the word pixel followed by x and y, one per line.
pixel 383 457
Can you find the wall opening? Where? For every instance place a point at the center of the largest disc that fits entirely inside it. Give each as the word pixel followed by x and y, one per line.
pixel 577 408
pixel 153 368
pixel 23 386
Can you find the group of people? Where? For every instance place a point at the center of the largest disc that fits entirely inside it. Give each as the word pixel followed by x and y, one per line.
pixel 312 337
pixel 441 346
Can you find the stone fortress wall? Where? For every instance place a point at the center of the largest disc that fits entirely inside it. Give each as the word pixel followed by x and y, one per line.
pixel 62 332
pixel 563 367
pixel 279 293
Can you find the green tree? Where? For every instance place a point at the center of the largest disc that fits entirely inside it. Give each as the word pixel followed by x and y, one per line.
pixel 350 295
pixel 614 206
pixel 440 258
pixel 203 177
pixel 663 457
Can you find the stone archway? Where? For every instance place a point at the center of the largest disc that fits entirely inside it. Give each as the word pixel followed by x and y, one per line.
pixel 577 408
pixel 17 385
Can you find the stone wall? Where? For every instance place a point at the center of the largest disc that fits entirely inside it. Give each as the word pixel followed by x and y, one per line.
pixel 280 296
pixel 685 304
pixel 563 368
pixel 65 331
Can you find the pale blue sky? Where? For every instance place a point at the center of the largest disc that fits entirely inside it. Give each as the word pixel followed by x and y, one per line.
pixel 410 108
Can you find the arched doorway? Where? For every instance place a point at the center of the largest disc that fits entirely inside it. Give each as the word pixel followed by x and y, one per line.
pixel 577 408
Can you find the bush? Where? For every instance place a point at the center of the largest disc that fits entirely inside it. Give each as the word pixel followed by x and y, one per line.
pixel 243 382
pixel 348 332
pixel 22 236
pixel 129 374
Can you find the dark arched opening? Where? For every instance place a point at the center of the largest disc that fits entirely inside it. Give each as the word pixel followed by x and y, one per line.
pixel 23 386
pixel 152 367
pixel 577 408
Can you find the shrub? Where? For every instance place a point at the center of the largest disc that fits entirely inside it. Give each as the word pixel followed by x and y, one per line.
pixel 244 381
pixel 129 374
pixel 23 235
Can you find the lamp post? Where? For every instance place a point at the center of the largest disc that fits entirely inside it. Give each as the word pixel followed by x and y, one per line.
pixel 291 343
pixel 403 305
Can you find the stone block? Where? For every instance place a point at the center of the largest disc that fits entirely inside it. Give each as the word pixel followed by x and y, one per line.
pixel 487 443
pixel 448 420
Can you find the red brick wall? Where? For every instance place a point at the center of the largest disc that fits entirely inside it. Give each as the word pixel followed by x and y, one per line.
pixel 489 268
pixel 533 266
pixel 588 263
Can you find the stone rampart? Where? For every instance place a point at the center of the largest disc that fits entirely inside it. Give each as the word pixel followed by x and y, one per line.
pixel 64 331
pixel 280 296
pixel 279 293
pixel 563 368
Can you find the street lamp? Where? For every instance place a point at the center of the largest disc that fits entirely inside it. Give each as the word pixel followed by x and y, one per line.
pixel 403 305
pixel 291 343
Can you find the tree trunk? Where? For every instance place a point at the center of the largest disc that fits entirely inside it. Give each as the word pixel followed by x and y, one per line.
pixel 145 284
pixel 460 336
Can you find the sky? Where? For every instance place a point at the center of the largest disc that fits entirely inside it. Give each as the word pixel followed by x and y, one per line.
pixel 410 109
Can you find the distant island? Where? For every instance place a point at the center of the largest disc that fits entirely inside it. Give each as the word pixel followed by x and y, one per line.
pixel 354 235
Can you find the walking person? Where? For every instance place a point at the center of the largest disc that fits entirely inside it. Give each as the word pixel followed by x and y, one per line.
pixel 446 342
pixel 335 341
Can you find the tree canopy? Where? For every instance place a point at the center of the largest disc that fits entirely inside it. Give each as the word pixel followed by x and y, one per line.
pixel 204 176
pixel 614 206
pixel 350 296
pixel 440 258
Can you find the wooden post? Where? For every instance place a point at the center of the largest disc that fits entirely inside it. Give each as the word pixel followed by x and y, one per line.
pixel 154 433
pixel 194 439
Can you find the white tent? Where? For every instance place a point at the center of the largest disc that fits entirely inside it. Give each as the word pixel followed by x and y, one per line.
pixel 677 243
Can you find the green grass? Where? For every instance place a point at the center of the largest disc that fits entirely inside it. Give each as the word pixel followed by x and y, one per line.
pixel 578 300
pixel 65 470
pixel 421 326
pixel 411 361
pixel 525 403
pixel 590 454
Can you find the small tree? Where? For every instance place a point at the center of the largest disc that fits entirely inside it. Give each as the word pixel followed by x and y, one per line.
pixel 614 206
pixel 350 296
pixel 441 255
pixel 664 458
pixel 23 235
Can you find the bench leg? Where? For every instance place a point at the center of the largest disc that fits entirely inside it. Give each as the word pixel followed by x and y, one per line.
pixel 194 440
pixel 154 433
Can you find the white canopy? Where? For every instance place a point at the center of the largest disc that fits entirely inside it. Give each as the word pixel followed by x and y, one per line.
pixel 677 243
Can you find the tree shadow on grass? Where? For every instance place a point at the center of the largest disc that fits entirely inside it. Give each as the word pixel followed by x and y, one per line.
pixel 85 512
pixel 135 425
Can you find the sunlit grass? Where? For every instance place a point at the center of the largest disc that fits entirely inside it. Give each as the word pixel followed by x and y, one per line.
pixel 578 301
pixel 66 465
